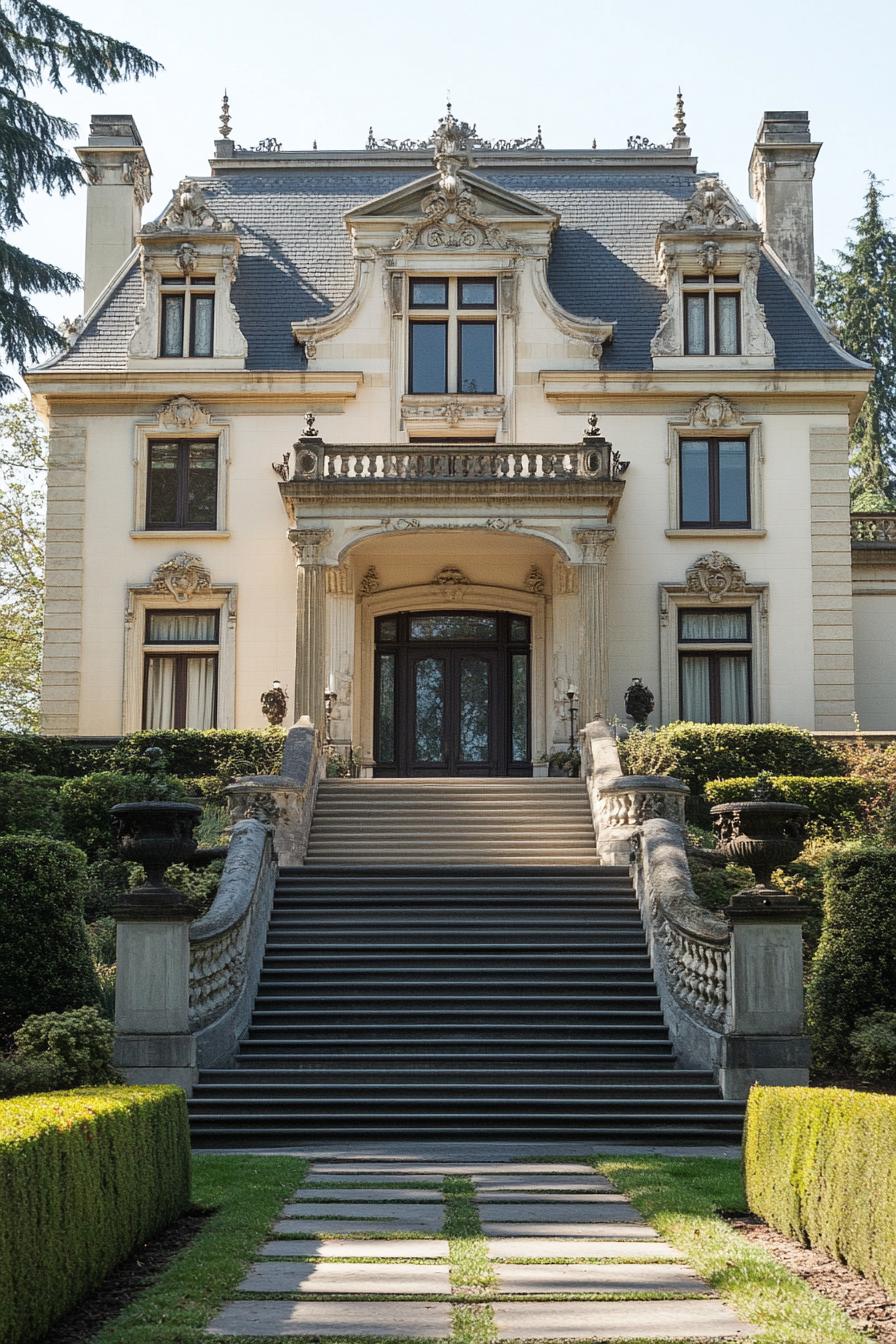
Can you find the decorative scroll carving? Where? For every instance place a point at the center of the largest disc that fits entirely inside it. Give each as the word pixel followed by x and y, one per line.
pixel 710 208
pixel 715 576
pixel 469 135
pixel 370 583
pixel 595 543
pixel 189 212
pixel 566 579
pixel 182 577
pixel 714 413
pixel 642 142
pixel 757 339
pixel 535 580
pixel 871 528
pixel 307 543
pixel 183 413
pixel 451 577
pixel 339 580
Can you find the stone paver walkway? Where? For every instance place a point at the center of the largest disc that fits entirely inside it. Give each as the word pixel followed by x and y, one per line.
pixel 353 1255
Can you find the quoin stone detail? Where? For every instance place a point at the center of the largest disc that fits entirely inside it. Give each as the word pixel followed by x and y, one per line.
pixel 183 576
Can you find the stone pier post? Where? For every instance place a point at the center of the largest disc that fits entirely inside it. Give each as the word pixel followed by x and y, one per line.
pixel 153 1043
pixel 311 592
pixel 594 665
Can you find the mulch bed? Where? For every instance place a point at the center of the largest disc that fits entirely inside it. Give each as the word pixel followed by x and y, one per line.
pixel 120 1287
pixel 869 1307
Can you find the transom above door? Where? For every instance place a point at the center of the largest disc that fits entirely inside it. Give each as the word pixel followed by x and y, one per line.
pixel 452 694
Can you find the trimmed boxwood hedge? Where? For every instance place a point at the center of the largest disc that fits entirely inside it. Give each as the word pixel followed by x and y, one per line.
pixel 836 802
pixel 187 752
pixel 30 803
pixel 45 964
pixel 854 970
pixel 820 1166
pixel 87 1176
pixel 698 752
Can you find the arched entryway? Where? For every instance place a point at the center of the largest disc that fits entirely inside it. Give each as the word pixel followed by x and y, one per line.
pixel 452 693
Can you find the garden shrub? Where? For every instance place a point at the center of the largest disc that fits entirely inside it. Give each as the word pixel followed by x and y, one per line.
pixel 19 1076
pixel 199 885
pixel 77 1045
pixel 30 804
pixel 86 803
pixel 873 1047
pixel 107 881
pixel 101 935
pixel 854 970
pixel 45 963
pixel 714 887
pixel 87 1177
pixel 837 804
pixel 38 755
pixel 820 1166
pixel 215 751
pixel 698 752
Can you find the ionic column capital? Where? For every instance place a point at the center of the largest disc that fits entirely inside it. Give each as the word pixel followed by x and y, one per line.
pixel 595 543
pixel 307 544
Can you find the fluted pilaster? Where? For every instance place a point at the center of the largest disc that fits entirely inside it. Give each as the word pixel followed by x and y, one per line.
pixel 311 592
pixel 594 662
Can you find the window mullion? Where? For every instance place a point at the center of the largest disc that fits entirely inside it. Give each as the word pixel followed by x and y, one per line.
pixel 180 690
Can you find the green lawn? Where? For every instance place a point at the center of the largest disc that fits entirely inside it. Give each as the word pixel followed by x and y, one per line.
pixel 681 1197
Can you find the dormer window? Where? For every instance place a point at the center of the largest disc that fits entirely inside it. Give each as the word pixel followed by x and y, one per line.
pixel 712 314
pixel 188 316
pixel 452 335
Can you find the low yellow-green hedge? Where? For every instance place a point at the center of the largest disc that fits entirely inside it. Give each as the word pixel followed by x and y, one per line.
pixel 85 1177
pixel 820 1166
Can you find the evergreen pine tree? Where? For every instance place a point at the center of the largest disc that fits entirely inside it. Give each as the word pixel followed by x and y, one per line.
pixel 39 45
pixel 857 295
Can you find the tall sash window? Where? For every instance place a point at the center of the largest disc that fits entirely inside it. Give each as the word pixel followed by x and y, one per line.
pixel 715 660
pixel 180 669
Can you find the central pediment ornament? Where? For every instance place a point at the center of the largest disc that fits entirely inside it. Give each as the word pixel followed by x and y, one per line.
pixel 715 576
pixel 714 413
pixel 451 577
pixel 710 208
pixel 189 212
pixel 183 413
pixel 181 577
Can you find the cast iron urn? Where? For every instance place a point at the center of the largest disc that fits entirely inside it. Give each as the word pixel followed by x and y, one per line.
pixel 762 834
pixel 155 835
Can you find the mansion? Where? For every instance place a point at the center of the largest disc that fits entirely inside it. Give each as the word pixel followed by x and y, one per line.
pixel 448 433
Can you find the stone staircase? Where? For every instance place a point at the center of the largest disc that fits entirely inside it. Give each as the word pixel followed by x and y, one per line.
pixel 453 963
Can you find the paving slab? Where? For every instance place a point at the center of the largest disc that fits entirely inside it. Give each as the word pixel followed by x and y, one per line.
pixel 411 1248
pixel 599 1279
pixel 575 1199
pixel 568 1248
pixel 415 1215
pixel 570 1184
pixel 598 1209
pixel 393 1320
pixel 346 1227
pixel 433 1170
pixel 333 1277
pixel 376 1193
pixel 615 1231
pixel 691 1320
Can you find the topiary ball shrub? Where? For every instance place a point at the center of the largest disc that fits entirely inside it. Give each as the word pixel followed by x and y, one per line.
pixel 854 970
pixel 873 1046
pixel 77 1046
pixel 45 963
pixel 86 803
pixel 29 804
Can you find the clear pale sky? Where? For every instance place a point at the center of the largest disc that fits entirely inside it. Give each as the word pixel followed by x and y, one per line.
pixel 583 69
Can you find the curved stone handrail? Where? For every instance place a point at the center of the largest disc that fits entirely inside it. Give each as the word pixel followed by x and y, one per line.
pixel 689 946
pixel 621 803
pixel 226 944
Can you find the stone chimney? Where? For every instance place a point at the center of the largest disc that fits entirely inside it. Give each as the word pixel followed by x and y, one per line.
pixel 782 166
pixel 119 185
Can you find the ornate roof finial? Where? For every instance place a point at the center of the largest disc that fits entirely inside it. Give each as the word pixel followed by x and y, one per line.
pixel 680 127
pixel 224 128
pixel 452 141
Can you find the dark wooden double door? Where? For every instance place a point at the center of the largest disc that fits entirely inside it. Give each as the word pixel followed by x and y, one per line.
pixel 452 692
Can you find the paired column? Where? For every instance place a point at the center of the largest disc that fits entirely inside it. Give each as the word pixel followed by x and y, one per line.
pixel 594 662
pixel 311 593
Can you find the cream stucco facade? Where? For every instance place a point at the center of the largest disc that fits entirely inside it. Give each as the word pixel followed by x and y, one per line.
pixel 506 500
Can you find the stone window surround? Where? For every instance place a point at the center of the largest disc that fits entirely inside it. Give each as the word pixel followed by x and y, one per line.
pixel 474 597
pixel 453 414
pixel 153 429
pixel 684 428
pixel 674 597
pixel 143 598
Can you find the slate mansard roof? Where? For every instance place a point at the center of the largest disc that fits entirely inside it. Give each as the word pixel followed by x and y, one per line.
pixel 296 259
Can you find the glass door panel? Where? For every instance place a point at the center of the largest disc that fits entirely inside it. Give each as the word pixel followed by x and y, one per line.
pixel 474 689
pixel 429 711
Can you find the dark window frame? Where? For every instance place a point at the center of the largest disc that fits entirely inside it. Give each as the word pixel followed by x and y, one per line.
pixel 474 322
pixel 702 296
pixel 428 280
pixel 182 521
pixel 477 280
pixel 170 611
pixel 180 681
pixel 719 294
pixel 714 657
pixel 713 639
pixel 177 297
pixel 180 289
pixel 714 520
pixel 412 325
pixel 204 298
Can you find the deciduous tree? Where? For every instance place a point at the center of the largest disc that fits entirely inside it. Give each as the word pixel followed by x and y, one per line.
pixel 23 474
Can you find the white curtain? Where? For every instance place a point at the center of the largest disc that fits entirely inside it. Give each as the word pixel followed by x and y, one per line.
pixel 726 320
pixel 695 703
pixel 182 627
pixel 734 687
pixel 159 692
pixel 201 692
pixel 203 321
pixel 710 625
